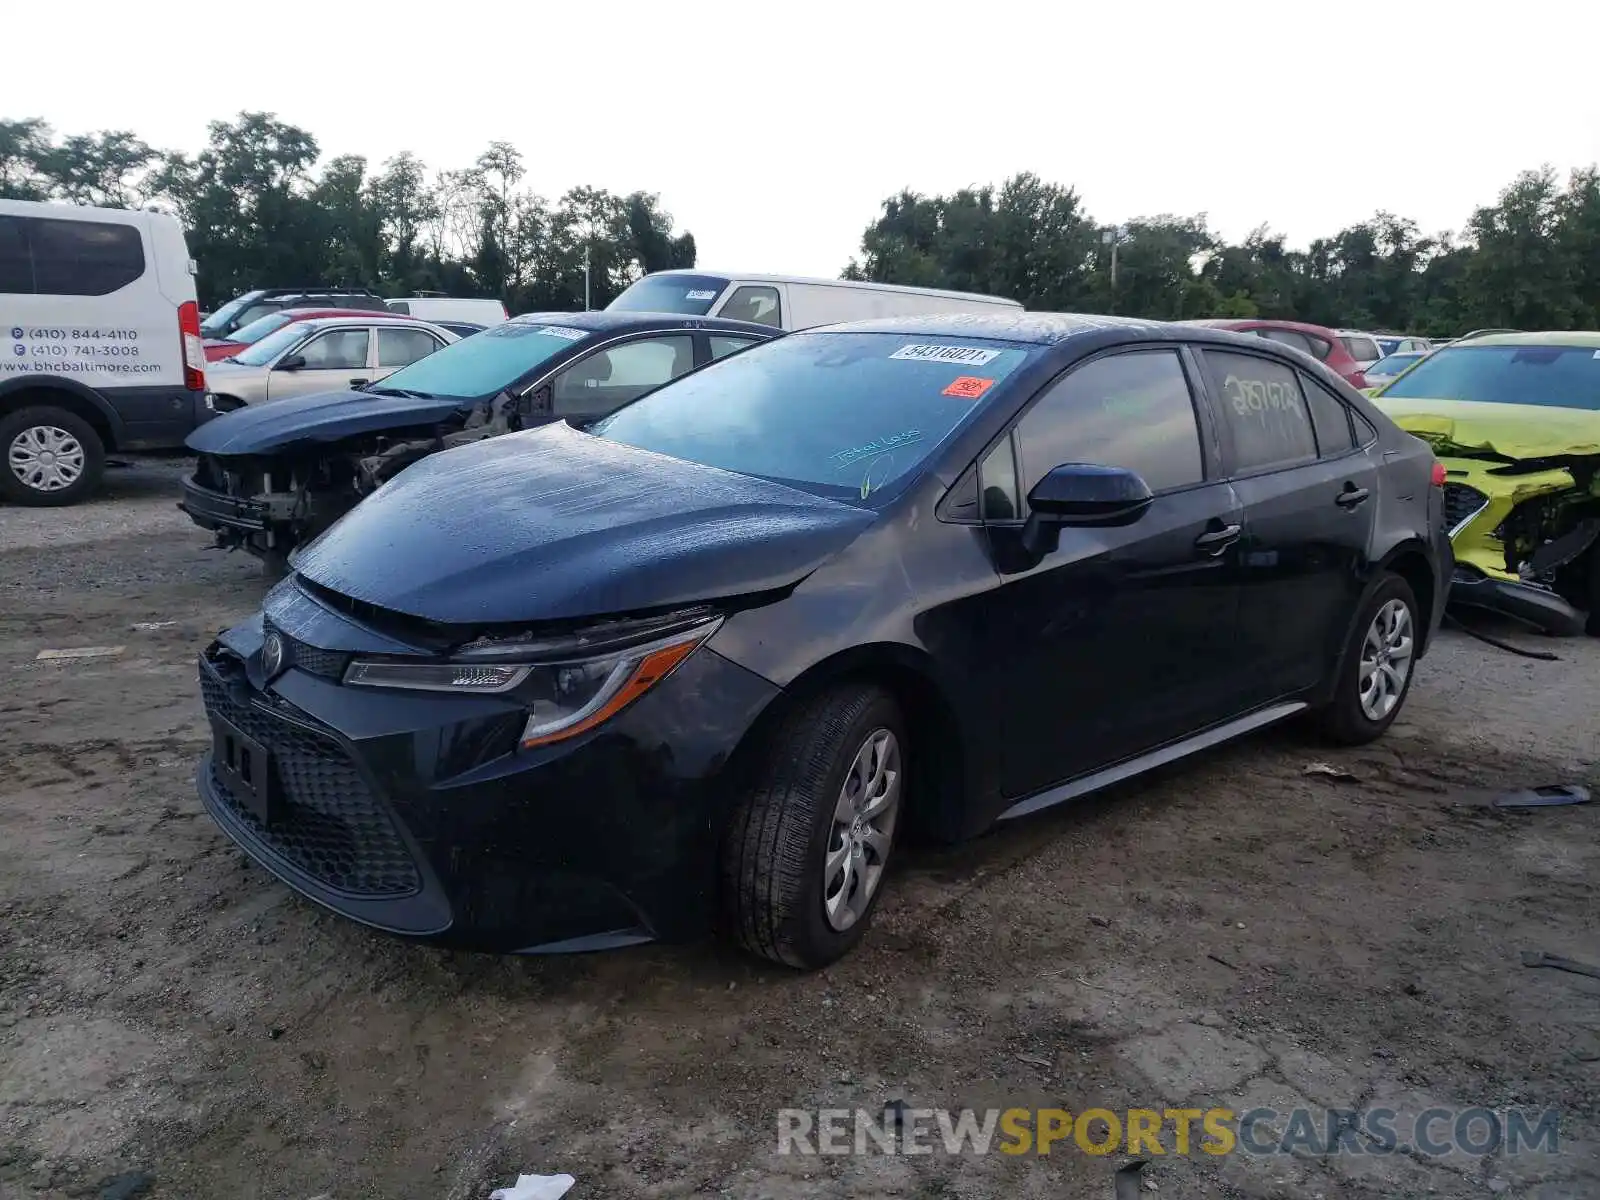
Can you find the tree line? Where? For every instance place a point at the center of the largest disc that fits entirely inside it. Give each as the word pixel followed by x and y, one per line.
pixel 1531 260
pixel 258 210
pixel 257 213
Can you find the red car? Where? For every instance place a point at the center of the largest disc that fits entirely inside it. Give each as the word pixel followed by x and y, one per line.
pixel 1321 343
pixel 220 348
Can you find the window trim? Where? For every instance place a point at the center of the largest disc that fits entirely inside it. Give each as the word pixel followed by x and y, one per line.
pixel 1230 452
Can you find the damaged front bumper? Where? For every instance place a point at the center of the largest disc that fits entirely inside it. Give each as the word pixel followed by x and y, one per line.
pixel 1537 606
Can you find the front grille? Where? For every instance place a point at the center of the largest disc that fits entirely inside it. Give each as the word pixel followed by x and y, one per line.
pixel 332 827
pixel 1461 503
pixel 316 660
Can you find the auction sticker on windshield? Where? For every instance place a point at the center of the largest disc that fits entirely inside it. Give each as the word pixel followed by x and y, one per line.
pixel 561 331
pixel 699 295
pixel 966 356
pixel 968 387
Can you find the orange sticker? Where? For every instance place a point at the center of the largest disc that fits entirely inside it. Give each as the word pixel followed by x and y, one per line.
pixel 968 387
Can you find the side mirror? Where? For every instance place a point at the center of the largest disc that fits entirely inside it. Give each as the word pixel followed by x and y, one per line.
pixel 1082 495
pixel 359 383
pixel 291 362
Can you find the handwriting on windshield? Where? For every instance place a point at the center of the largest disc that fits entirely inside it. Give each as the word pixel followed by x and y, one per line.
pixel 873 449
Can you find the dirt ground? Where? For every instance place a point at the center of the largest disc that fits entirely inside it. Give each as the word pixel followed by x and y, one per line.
pixel 1231 931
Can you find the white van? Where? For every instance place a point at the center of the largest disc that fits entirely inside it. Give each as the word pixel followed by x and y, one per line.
pixel 451 308
pixel 99 344
pixel 792 302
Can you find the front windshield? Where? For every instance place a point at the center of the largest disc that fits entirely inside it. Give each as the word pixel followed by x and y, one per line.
pixel 845 414
pixel 1547 376
pixel 268 348
pixel 248 335
pixel 486 363
pixel 219 321
pixel 692 295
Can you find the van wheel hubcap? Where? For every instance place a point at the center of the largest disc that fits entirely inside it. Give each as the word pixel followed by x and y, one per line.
pixel 1385 660
pixel 862 830
pixel 45 458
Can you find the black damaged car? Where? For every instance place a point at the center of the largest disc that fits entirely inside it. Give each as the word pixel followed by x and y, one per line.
pixel 269 477
pixel 708 661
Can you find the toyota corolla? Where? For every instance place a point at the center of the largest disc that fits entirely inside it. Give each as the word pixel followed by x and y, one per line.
pixel 708 661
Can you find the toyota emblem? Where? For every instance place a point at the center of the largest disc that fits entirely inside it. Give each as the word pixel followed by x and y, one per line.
pixel 272 655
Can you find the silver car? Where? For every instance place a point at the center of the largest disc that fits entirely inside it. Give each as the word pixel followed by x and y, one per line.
pixel 328 354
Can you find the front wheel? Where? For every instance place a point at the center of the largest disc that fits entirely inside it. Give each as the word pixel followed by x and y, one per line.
pixel 805 852
pixel 52 457
pixel 1375 671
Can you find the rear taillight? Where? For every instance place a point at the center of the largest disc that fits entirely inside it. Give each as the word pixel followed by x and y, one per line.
pixel 1438 474
pixel 194 350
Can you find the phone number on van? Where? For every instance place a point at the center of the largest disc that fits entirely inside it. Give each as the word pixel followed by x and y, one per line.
pixel 48 334
pixel 49 350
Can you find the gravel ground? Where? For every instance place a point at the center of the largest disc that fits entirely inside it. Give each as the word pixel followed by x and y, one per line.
pixel 1231 931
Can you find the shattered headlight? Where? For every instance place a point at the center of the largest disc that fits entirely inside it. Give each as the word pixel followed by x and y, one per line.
pixel 565 694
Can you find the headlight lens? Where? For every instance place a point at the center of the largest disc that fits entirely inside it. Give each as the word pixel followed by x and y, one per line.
pixel 563 699
pixel 476 678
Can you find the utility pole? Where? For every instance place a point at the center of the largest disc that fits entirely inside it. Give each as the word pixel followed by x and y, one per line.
pixel 586 277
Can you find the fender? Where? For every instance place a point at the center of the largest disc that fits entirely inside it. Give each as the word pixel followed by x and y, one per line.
pixel 59 383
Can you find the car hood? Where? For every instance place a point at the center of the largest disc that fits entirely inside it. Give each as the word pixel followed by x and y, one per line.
pixel 554 524
pixel 323 417
pixel 1508 431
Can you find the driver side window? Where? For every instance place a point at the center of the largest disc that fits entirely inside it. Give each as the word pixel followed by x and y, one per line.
pixel 1131 410
pixel 336 350
pixel 603 382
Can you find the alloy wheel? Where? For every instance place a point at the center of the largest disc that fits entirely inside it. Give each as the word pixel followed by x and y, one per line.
pixel 862 830
pixel 1386 655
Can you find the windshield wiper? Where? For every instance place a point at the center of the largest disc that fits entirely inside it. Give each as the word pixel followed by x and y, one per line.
pixel 379 390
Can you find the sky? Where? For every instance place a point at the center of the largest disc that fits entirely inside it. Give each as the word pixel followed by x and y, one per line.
pixel 774 132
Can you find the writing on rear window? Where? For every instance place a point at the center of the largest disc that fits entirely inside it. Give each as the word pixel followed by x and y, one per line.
pixel 561 331
pixel 699 295
pixel 966 356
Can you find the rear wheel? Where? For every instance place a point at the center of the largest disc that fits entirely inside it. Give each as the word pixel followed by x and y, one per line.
pixel 51 457
pixel 1375 672
pixel 805 853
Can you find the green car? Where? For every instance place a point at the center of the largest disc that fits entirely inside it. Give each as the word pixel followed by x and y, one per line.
pixel 1515 418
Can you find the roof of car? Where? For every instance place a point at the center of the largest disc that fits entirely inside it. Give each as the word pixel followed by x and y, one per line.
pixel 1260 323
pixel 1041 329
pixel 608 320
pixel 758 277
pixel 1586 338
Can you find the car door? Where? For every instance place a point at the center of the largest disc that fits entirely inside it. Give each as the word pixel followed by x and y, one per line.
pixel 615 374
pixel 328 361
pixel 1119 639
pixel 1307 492
pixel 400 346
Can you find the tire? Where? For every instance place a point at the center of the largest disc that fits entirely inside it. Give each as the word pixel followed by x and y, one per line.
pixel 775 898
pixel 1345 720
pixel 38 447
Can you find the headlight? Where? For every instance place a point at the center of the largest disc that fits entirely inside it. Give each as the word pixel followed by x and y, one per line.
pixel 564 697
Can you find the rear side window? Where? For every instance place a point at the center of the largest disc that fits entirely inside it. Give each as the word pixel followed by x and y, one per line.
pixel 400 347
pixel 69 258
pixel 1129 410
pixel 1362 349
pixel 1288 337
pixel 1263 410
pixel 753 303
pixel 721 347
pixel 16 264
pixel 1329 417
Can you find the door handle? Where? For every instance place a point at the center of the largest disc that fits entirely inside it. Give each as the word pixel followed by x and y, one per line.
pixel 1215 541
pixel 1351 496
